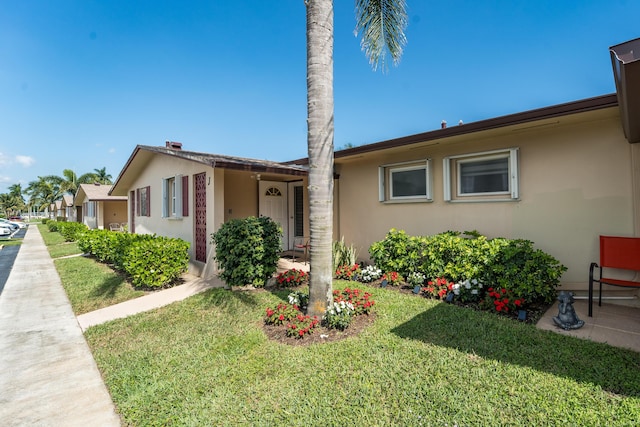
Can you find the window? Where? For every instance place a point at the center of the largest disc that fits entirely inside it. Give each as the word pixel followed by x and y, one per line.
pixel 409 181
pixel 491 175
pixel 175 200
pixel 143 201
pixel 90 209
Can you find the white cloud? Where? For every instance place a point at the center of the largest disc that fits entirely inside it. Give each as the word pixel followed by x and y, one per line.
pixel 25 161
pixel 3 159
pixel 112 150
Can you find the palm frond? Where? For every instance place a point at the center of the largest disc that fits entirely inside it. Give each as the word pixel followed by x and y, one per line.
pixel 381 24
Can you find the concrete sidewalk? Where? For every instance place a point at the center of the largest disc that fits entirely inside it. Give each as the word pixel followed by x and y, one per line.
pixel 147 302
pixel 47 374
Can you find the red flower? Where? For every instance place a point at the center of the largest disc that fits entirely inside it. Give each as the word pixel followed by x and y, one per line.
pixel 281 317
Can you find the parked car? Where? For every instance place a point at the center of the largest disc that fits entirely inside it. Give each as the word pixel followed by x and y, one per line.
pixel 12 225
pixel 5 231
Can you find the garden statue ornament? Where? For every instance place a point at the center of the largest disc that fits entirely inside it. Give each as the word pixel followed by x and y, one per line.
pixel 567 318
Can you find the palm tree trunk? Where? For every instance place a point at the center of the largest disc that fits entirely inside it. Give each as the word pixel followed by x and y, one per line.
pixel 320 142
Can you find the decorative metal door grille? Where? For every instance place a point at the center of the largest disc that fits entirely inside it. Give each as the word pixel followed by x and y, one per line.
pixel 200 185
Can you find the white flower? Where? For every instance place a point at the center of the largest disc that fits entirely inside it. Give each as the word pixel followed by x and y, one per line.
pixel 474 292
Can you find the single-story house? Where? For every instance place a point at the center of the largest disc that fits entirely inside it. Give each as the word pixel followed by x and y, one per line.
pixel 97 209
pixel 559 176
pixel 68 210
pixel 55 209
pixel 184 194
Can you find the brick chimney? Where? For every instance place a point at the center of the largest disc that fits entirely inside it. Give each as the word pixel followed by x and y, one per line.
pixel 443 124
pixel 173 145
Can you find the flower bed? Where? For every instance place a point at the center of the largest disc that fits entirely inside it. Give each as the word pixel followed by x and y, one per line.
pixel 348 305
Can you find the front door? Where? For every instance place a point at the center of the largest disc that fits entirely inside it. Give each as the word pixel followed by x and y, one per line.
pixel 273 203
pixel 200 215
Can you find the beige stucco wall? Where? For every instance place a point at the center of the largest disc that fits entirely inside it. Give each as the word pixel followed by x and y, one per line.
pixel 240 195
pixel 575 184
pixel 115 211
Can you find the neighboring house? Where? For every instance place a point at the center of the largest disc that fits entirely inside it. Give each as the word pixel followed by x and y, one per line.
pixel 68 210
pixel 559 176
pixel 188 195
pixel 55 209
pixel 97 209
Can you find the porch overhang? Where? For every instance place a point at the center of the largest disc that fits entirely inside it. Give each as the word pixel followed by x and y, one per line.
pixel 625 60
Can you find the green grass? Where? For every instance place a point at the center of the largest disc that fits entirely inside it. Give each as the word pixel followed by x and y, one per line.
pixel 206 361
pixel 10 242
pixel 50 238
pixel 89 284
pixel 64 249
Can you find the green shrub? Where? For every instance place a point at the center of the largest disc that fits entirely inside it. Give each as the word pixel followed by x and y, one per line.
pixel 150 261
pixel 44 220
pixel 71 231
pixel 529 273
pixel 398 252
pixel 247 250
pixel 156 261
pixel 343 254
pixel 52 226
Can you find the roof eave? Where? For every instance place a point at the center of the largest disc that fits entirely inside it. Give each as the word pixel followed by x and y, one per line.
pixel 625 60
pixel 589 104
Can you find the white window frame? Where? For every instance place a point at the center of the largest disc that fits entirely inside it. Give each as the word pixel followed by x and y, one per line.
pixel 450 166
pixel 172 197
pixel 385 181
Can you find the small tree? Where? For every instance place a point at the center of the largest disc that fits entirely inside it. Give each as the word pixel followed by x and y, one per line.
pixel 247 250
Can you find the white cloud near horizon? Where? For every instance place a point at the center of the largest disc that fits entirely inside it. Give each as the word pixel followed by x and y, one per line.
pixel 25 161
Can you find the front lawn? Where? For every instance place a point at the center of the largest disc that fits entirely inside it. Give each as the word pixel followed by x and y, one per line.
pixel 89 284
pixel 207 361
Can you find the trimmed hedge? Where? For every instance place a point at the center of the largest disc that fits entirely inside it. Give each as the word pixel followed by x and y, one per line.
pixel 71 231
pixel 149 260
pixel 516 265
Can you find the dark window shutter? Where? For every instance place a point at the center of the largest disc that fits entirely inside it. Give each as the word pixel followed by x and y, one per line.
pixel 137 201
pixel 148 200
pixel 185 195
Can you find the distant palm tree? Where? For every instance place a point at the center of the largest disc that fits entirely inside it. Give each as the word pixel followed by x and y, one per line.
pixel 102 176
pixel 382 24
pixel 45 191
pixel 16 203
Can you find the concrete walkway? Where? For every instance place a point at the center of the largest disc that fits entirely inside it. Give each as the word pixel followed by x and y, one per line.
pixel 47 374
pixel 613 324
pixel 147 302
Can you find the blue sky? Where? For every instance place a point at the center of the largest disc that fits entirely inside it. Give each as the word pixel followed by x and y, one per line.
pixel 83 81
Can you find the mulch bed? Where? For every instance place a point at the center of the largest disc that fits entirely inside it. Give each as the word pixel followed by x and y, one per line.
pixel 320 334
